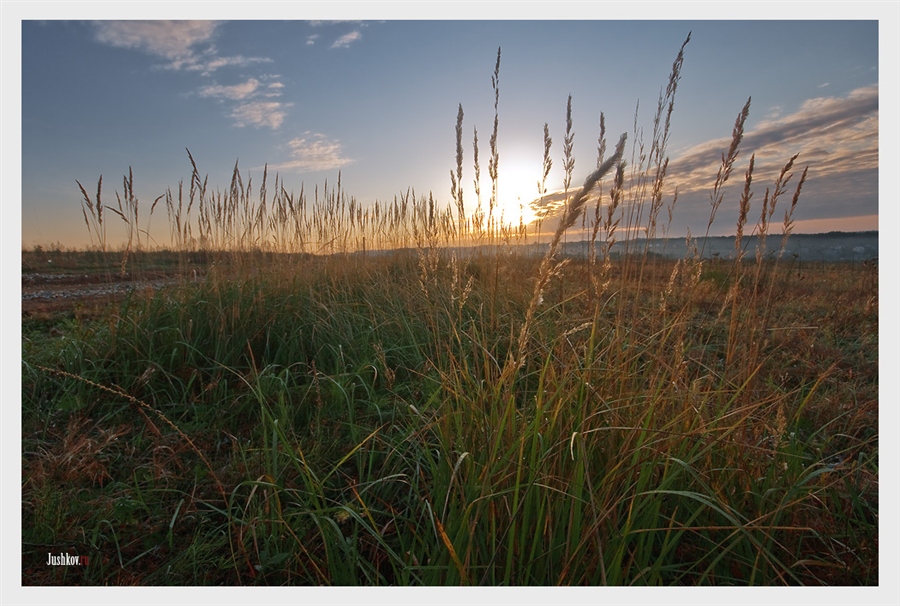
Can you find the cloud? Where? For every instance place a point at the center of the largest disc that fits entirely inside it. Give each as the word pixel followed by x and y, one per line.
pixel 252 112
pixel 347 39
pixel 187 46
pixel 837 137
pixel 260 113
pixel 207 67
pixel 313 152
pixel 274 90
pixel 171 40
pixel 832 134
pixel 343 41
pixel 774 112
pixel 320 23
pixel 178 42
pixel 237 91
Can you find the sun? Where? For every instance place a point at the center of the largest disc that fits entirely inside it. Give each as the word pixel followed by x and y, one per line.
pixel 517 187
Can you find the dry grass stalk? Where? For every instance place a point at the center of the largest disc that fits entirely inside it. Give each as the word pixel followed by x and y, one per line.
pixel 494 162
pixel 789 213
pixel 568 143
pixel 592 250
pixel 95 224
pixel 478 218
pixel 547 268
pixel 728 159
pixel 744 210
pixel 542 184
pixel 456 180
pixel 765 219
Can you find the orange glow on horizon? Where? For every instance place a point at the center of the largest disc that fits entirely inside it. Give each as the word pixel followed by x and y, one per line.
pixel 819 226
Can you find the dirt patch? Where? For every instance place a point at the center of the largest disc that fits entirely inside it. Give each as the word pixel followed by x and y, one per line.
pixel 46 294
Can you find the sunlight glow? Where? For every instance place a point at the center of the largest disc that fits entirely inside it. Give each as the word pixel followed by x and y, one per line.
pixel 517 187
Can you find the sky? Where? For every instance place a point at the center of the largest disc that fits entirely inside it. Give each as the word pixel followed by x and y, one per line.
pixel 377 100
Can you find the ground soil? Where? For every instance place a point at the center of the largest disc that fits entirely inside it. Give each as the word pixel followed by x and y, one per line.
pixel 50 294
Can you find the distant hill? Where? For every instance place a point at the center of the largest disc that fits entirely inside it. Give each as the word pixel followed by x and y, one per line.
pixel 831 246
pixel 834 246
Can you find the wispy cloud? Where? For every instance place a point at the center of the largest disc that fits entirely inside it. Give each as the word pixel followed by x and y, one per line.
pixel 343 41
pixel 208 67
pixel 260 113
pixel 835 134
pixel 237 91
pixel 274 89
pixel 347 39
pixel 185 45
pixel 188 46
pixel 251 111
pixel 313 152
pixel 175 41
pixel 320 23
pixel 774 112
pixel 837 137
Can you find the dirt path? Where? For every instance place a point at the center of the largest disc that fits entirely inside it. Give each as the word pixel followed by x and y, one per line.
pixel 54 293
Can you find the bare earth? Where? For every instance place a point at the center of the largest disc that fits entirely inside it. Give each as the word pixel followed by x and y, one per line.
pixel 47 293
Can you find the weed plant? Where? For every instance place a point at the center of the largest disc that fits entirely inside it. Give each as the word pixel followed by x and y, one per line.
pixel 393 395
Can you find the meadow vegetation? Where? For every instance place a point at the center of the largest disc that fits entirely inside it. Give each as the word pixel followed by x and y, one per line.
pixel 398 394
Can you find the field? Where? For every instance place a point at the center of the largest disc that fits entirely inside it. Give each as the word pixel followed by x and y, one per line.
pixel 307 392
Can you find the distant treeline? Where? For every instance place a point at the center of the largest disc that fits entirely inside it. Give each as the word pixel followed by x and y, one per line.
pixel 830 246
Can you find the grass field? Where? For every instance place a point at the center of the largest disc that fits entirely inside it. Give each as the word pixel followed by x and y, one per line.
pixel 310 409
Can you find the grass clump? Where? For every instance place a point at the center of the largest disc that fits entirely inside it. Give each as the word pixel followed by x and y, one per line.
pixel 404 410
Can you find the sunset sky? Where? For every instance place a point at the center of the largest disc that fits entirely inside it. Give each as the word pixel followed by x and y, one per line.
pixel 377 100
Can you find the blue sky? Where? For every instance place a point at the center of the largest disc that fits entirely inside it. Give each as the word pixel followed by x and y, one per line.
pixel 377 100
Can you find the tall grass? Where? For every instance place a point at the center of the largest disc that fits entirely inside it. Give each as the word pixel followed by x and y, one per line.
pixel 436 415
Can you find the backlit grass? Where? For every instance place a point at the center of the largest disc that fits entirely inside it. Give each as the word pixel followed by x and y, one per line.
pixel 397 395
